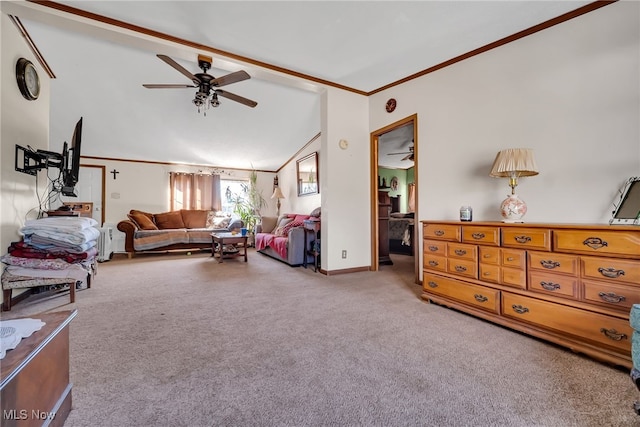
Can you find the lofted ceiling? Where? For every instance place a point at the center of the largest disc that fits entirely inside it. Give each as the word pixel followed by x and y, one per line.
pixel 290 49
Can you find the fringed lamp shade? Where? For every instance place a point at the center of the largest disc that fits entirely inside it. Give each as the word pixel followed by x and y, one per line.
pixel 513 163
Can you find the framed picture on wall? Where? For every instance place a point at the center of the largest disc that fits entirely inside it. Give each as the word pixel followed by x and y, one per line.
pixel 307 174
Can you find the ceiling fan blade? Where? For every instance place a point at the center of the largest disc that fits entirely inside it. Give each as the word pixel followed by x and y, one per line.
pixel 409 157
pixel 404 152
pixel 237 98
pixel 238 76
pixel 169 86
pixel 180 68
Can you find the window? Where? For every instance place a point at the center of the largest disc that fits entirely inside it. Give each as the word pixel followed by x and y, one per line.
pixel 232 190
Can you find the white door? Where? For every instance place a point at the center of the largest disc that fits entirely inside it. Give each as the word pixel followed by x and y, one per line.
pixel 90 188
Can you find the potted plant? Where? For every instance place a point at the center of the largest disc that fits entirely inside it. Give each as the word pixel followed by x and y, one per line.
pixel 248 204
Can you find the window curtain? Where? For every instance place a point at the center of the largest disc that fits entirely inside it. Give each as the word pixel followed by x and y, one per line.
pixel 194 191
pixel 412 197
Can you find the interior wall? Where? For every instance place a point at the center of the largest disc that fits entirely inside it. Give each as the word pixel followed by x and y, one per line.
pixel 24 123
pixel 345 181
pixel 287 180
pixel 570 92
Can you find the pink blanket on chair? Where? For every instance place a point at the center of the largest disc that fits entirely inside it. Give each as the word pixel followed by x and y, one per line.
pixel 278 243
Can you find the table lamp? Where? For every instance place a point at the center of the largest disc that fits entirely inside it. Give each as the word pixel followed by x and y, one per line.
pixel 513 163
pixel 277 194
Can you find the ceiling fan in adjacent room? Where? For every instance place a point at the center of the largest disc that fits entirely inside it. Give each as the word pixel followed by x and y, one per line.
pixel 409 154
pixel 207 85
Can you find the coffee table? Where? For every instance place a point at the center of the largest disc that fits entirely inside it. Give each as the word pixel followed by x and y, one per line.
pixel 218 240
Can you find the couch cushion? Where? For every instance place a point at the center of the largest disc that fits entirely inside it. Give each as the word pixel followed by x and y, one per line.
pixel 316 212
pixel 143 220
pixel 194 218
pixel 169 220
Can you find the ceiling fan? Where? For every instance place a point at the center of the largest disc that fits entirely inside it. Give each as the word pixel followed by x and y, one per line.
pixel 208 92
pixel 409 154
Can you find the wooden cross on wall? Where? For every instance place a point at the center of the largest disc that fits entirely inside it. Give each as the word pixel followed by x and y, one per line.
pixel 114 172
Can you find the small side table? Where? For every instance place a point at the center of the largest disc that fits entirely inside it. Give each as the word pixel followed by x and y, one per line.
pixel 312 227
pixel 218 240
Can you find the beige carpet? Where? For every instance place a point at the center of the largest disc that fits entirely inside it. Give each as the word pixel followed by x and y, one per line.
pixel 178 340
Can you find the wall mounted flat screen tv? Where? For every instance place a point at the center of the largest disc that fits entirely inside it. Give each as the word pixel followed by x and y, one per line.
pixel 71 171
pixel 627 212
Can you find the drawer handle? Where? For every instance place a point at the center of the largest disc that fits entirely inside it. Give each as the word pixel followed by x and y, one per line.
pixel 522 239
pixel 611 273
pixel 434 263
pixel 611 297
pixel 595 243
pixel 510 258
pixel 550 286
pixel 480 298
pixel 486 273
pixel 520 309
pixel 438 233
pixel 478 236
pixel 433 248
pixel 460 252
pixel 612 334
pixel 486 256
pixel 432 284
pixel 461 268
pixel 549 264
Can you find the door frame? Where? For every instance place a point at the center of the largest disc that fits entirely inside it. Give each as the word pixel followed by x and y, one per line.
pixel 374 138
pixel 102 192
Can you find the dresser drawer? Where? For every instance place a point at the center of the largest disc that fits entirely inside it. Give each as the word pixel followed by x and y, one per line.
pixel 611 295
pixel 611 269
pixel 462 267
pixel 489 273
pixel 553 284
pixel 620 243
pixel 598 328
pixel 513 277
pixel 557 263
pixel 514 258
pixel 489 255
pixel 448 232
pixel 481 234
pixel 434 262
pixel 434 247
pixel 475 295
pixel 529 238
pixel 462 251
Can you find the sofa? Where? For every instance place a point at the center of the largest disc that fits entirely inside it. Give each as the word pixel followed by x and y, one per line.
pixel 183 229
pixel 283 237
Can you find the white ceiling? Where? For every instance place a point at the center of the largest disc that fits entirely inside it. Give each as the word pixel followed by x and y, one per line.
pixel 362 45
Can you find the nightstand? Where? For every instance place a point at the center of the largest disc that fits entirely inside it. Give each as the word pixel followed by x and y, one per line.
pixel 312 228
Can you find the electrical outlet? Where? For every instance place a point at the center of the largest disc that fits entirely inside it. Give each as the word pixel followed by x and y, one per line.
pixel 344 254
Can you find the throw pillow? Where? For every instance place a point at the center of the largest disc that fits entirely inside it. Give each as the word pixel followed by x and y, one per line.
pixel 290 225
pixel 141 220
pixel 219 222
pixel 281 224
pixel 316 212
pixel 169 220
pixel 194 218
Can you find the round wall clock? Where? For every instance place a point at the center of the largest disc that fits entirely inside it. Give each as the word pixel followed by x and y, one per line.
pixel 391 105
pixel 28 80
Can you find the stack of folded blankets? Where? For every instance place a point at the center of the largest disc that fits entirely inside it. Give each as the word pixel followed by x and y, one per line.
pixel 53 248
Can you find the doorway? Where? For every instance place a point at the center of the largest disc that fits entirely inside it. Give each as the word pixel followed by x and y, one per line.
pixel 394 195
pixel 91 189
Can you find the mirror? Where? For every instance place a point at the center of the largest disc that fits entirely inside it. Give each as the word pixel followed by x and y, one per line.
pixel 307 172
